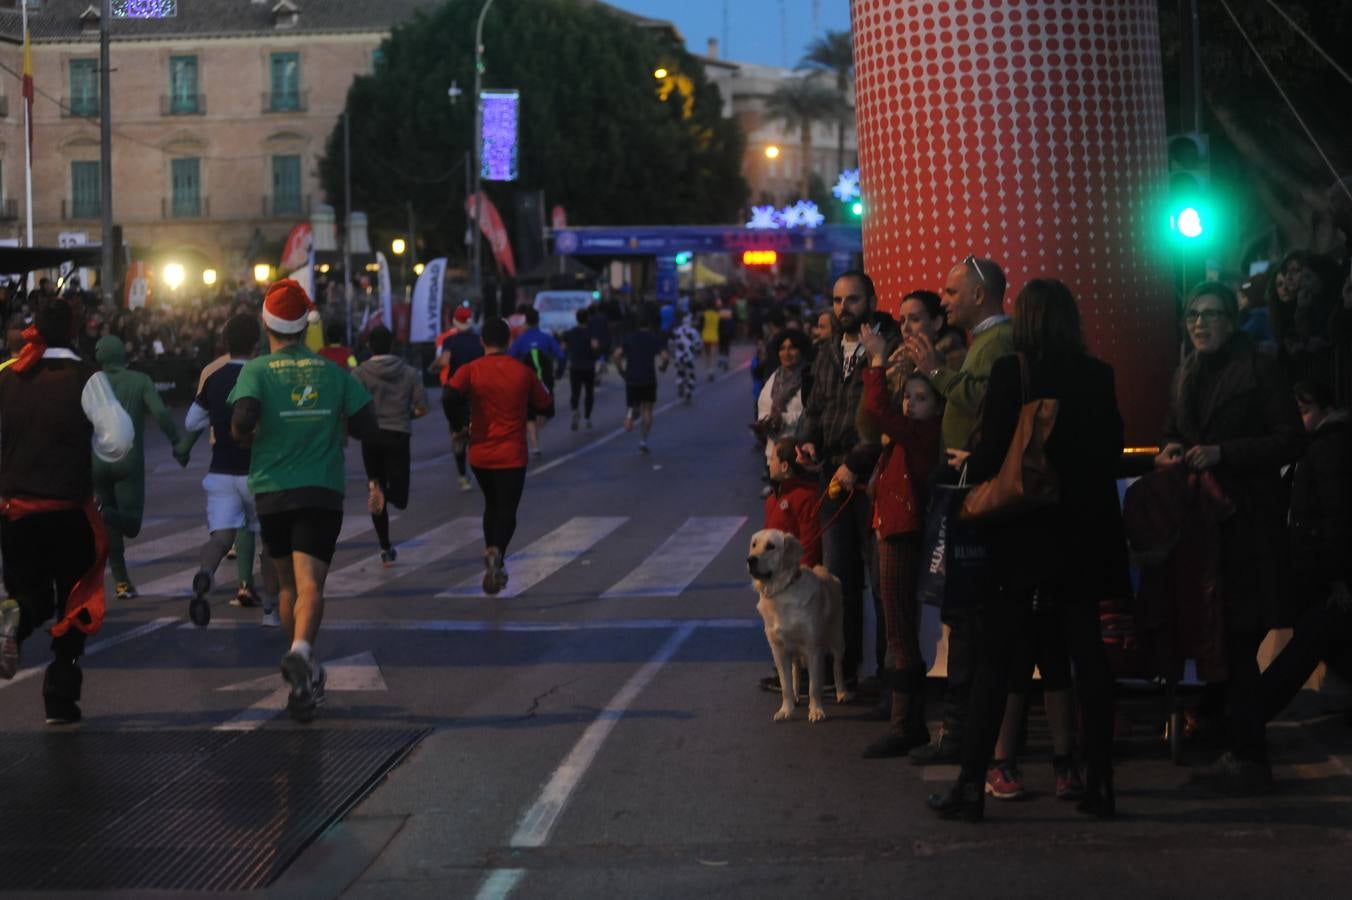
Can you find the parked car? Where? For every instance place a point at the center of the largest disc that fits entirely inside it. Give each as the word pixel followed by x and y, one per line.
pixel 558 309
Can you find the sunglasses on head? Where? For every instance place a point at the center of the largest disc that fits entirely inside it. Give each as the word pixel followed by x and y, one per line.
pixel 976 267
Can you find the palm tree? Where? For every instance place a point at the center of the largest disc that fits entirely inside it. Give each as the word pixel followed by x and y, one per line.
pixel 801 103
pixel 834 55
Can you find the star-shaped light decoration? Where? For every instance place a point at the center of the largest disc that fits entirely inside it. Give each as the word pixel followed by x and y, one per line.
pixel 808 215
pixel 847 187
pixel 765 217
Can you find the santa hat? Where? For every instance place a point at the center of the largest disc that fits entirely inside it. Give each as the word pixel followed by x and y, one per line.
pixel 287 309
pixel 462 315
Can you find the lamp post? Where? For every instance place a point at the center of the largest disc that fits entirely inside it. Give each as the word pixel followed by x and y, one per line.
pixel 397 247
pixel 474 150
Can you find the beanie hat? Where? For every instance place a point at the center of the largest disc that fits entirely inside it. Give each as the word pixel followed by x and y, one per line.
pixel 287 309
pixel 462 315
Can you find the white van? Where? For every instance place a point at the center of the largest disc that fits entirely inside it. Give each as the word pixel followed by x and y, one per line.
pixel 558 309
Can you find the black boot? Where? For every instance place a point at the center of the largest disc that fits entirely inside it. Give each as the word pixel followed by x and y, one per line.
pixel 1098 799
pixel 965 801
pixel 883 710
pixel 61 685
pixel 906 729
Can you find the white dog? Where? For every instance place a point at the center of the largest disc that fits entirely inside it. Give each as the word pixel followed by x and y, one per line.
pixel 802 609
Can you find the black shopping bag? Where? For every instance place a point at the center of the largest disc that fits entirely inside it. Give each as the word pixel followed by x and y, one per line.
pixel 955 565
pixel 945 502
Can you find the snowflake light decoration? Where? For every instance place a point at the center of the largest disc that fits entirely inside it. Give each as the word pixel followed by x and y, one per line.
pixel 847 187
pixel 807 214
pixel 765 218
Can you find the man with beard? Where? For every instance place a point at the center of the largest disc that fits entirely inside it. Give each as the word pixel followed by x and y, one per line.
pixel 973 299
pixel 833 442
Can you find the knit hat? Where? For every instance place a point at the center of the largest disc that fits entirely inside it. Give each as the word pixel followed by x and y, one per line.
pixel 287 309
pixel 462 315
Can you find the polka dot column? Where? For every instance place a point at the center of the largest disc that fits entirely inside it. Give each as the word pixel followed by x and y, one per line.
pixel 1030 132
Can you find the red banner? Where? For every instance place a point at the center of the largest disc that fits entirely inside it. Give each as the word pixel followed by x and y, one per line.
pixel 296 251
pixel 559 217
pixel 495 232
pixel 402 313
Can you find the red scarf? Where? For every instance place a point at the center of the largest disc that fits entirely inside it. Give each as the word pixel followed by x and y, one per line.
pixel 32 351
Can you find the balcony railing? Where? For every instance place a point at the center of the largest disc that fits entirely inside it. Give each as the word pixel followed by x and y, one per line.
pixel 80 209
pixel 283 206
pixel 287 101
pixel 185 207
pixel 4 107
pixel 9 210
pixel 80 107
pixel 183 105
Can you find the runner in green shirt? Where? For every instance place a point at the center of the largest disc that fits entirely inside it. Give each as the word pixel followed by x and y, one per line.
pixel 290 407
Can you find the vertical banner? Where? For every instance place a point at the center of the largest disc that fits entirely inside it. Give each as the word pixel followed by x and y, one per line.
pixel 558 217
pixel 666 279
pixel 425 323
pixel 499 135
pixel 296 250
pixel 495 231
pixel 383 278
pixel 140 283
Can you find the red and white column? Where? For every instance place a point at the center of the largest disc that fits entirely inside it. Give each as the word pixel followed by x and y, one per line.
pixel 1030 132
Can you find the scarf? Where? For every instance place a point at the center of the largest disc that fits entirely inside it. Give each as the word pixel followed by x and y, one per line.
pixel 32 351
pixel 787 383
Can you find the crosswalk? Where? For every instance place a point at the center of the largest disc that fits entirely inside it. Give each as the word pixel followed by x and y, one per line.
pixel 666 570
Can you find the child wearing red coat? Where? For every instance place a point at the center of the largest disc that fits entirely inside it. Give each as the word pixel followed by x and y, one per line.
pixel 793 504
pixel 900 488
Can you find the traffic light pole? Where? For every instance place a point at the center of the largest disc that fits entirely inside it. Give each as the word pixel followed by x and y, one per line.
pixel 1190 110
pixel 108 289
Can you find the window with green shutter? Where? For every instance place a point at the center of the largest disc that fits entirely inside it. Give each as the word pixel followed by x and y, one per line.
pixel 85 190
pixel 285 81
pixel 84 87
pixel 185 177
pixel 183 86
pixel 286 196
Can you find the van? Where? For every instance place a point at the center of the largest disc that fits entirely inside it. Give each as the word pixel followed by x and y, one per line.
pixel 558 309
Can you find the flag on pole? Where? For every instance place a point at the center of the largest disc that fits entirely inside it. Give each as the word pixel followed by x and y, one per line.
pixel 27 80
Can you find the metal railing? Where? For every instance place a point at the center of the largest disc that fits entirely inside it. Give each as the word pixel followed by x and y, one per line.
pixel 80 107
pixel 288 101
pixel 280 206
pixel 83 209
pixel 183 105
pixel 185 207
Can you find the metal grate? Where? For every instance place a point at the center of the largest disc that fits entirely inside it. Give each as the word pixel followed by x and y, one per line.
pixel 176 810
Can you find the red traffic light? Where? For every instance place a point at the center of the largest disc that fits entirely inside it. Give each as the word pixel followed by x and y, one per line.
pixel 759 257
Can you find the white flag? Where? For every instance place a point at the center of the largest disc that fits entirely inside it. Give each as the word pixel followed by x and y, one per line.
pixel 384 278
pixel 425 316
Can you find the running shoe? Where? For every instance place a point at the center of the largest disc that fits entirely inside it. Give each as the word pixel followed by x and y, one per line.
pixel 375 498
pixel 246 597
pixel 199 610
pixel 464 484
pixel 576 420
pixel 1068 784
pixel 388 556
pixel 307 686
pixel 1003 781
pixel 629 417
pixel 643 447
pixel 494 576
pixel 271 619
pixel 231 554
pixel 10 614
pixel 61 711
pixel 587 424
pixel 126 591
pixel 537 452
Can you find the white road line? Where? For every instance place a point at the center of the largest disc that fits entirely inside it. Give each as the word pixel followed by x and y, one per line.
pixel 473 625
pixel 96 647
pixel 537 561
pixel 429 547
pixel 674 565
pixel 172 544
pixel 540 819
pixel 179 584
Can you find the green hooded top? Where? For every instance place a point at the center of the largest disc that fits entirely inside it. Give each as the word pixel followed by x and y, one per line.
pixel 136 392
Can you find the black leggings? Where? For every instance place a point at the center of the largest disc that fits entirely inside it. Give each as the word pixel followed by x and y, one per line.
pixel 502 495
pixel 580 381
pixel 45 555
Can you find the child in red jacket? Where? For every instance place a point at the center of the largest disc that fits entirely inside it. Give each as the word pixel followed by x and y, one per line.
pixel 911 438
pixel 793 503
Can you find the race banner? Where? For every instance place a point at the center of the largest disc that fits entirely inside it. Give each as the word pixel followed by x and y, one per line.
pixel 384 280
pixel 296 250
pixel 425 323
pixel 140 283
pixel 495 232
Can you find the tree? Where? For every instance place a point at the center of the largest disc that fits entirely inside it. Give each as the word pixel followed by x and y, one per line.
pixel 833 55
pixel 594 134
pixel 800 103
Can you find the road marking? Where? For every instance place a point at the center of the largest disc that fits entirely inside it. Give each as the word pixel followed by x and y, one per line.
pixel 172 544
pixel 98 647
pixel 536 562
pixel 179 584
pixel 429 547
pixel 680 559
pixel 352 673
pixel 540 819
pixel 473 625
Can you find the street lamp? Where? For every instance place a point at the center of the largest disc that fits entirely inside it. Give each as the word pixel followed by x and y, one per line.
pixel 660 73
pixel 208 277
pixel 772 152
pixel 418 268
pixel 475 148
pixel 262 273
pixel 173 276
pixel 398 246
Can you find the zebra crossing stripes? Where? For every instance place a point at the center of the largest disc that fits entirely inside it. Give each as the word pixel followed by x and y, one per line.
pixel 429 547
pixel 674 565
pixel 535 562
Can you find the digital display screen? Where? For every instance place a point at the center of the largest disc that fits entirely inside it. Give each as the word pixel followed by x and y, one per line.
pixel 144 9
pixel 499 135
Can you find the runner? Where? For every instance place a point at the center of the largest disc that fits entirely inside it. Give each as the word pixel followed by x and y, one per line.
pixel 398 397
pixel 457 345
pixel 335 350
pixel 709 334
pixel 640 357
pixel 492 396
pixel 582 349
pixel 53 407
pixel 121 486
pixel 289 407
pixel 543 354
pixel 686 347
pixel 232 520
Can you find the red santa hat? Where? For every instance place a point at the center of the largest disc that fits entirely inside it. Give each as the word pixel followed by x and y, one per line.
pixel 462 315
pixel 287 309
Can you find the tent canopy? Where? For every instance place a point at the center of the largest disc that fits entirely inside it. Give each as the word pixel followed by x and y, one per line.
pixel 20 260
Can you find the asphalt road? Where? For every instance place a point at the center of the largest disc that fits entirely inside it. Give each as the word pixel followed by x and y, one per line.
pixel 597 728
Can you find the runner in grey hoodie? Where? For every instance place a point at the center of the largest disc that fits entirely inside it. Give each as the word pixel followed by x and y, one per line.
pixel 398 397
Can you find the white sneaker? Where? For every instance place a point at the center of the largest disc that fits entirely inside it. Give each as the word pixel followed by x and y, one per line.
pixel 10 614
pixel 271 619
pixel 464 484
pixel 629 420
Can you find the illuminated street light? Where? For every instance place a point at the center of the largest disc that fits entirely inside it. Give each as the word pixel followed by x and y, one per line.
pixel 660 73
pixel 772 152
pixel 208 277
pixel 418 268
pixel 262 273
pixel 173 276
pixel 398 246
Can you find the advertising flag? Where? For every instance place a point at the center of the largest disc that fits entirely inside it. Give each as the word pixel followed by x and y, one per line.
pixel 384 279
pixel 296 250
pixel 426 308
pixel 494 231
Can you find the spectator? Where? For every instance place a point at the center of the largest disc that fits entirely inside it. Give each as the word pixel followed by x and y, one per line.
pixel 1253 313
pixel 1301 297
pixel 779 406
pixel 791 504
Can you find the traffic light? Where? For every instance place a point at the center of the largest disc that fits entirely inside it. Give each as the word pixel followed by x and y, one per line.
pixel 857 209
pixel 683 258
pixel 1191 209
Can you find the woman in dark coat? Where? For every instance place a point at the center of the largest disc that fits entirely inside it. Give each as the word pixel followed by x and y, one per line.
pixel 1232 413
pixel 1062 559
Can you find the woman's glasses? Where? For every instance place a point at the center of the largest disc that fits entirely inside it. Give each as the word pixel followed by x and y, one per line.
pixel 1206 316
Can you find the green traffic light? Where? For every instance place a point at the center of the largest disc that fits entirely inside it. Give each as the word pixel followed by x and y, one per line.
pixel 857 208
pixel 682 259
pixel 1190 223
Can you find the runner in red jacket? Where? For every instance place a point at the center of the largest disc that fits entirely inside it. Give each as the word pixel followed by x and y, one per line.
pixel 493 395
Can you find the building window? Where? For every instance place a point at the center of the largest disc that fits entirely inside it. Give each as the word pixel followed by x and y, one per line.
pixel 286 197
pixel 84 87
pixel 185 177
pixel 183 97
pixel 285 82
pixel 85 190
pixel 377 59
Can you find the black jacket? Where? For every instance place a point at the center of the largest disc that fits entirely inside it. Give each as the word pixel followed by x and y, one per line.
pixel 1321 507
